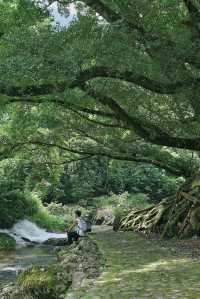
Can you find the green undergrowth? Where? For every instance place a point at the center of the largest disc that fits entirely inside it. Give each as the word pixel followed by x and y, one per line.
pixel 104 207
pixel 17 205
pixel 125 199
pixel 6 242
pixel 66 212
pixel 43 218
pixel 116 206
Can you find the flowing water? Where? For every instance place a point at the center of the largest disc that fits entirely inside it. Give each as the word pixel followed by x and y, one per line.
pixel 12 263
pixel 29 250
pixel 26 230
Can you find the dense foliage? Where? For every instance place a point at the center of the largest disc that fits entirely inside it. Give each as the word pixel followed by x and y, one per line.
pixel 89 70
pixel 6 242
pixel 100 176
pixel 120 82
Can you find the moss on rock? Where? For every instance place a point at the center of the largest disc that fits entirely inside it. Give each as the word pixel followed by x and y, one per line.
pixel 39 282
pixel 77 262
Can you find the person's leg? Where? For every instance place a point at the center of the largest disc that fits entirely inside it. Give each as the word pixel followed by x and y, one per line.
pixel 76 236
pixel 72 236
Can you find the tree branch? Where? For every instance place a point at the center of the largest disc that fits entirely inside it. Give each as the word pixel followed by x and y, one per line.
pixel 194 13
pixel 42 100
pixel 103 10
pixel 98 72
pixel 111 155
pixel 150 132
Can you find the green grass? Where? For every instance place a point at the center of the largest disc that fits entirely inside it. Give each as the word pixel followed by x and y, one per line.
pixel 50 222
pixel 43 218
pixel 38 282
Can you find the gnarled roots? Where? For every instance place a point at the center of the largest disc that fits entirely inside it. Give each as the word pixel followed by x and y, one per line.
pixel 177 215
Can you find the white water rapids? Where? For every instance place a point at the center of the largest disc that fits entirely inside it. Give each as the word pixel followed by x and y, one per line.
pixel 27 230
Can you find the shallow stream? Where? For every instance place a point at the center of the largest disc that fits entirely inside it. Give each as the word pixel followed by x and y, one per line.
pixel 29 250
pixel 13 262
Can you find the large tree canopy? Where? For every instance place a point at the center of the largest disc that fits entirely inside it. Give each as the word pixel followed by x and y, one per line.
pixel 122 74
pixel 121 80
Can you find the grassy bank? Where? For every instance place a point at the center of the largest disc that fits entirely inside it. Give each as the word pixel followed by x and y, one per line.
pixel 45 219
pixel 17 205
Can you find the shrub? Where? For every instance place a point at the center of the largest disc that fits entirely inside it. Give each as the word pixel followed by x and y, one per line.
pixel 14 205
pixel 50 222
pixel 42 217
pixel 6 242
pixel 124 199
pixel 17 205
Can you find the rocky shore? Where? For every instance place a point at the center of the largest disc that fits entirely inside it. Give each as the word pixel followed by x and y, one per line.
pixel 76 263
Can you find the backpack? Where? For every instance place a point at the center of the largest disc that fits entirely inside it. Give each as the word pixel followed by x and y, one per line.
pixel 86 225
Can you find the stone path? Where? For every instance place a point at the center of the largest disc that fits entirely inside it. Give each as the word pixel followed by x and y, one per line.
pixel 137 268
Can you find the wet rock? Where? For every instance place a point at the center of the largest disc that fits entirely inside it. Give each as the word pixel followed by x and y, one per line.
pixel 77 279
pixel 56 242
pixel 6 290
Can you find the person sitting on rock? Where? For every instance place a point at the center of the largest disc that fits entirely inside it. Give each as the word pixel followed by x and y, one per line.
pixel 77 229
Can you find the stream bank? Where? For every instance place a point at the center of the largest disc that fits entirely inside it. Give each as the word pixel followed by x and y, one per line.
pixel 75 264
pixel 135 268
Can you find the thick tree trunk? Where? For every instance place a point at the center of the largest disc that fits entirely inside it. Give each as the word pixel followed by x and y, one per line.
pixel 177 215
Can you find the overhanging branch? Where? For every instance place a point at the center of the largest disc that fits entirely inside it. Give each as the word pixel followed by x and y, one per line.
pixel 112 155
pixel 99 72
pixel 150 132
pixel 194 12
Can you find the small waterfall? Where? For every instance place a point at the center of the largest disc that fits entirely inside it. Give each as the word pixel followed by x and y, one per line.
pixel 27 230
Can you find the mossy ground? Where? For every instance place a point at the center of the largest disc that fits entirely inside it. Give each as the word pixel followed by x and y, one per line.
pixel 139 268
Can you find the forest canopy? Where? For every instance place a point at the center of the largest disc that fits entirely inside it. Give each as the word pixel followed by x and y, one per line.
pixel 120 81
pixel 122 77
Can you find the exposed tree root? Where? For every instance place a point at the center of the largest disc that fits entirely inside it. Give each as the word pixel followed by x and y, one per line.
pixel 177 215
